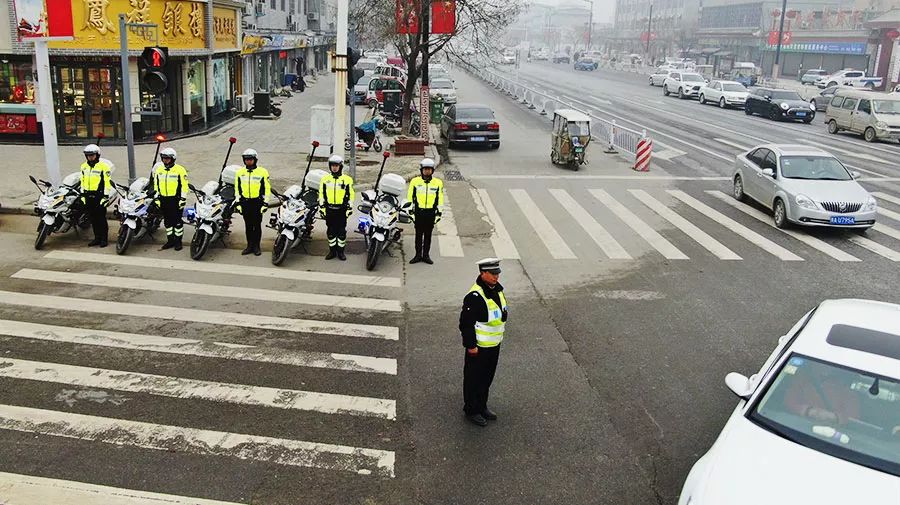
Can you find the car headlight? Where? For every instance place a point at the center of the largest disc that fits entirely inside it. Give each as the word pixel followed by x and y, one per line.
pixel 784 106
pixel 881 125
pixel 871 204
pixel 805 202
pixel 812 107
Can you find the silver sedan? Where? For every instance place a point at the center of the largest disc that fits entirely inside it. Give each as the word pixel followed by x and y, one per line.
pixel 803 185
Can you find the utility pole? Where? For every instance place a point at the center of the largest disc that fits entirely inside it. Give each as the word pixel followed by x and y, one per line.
pixel 425 99
pixel 590 24
pixel 776 68
pixel 126 97
pixel 340 76
pixel 649 28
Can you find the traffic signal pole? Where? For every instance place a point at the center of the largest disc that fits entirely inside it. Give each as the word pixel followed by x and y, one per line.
pixel 340 73
pixel 126 97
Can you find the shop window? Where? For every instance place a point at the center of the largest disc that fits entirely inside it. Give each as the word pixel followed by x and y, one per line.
pixel 16 83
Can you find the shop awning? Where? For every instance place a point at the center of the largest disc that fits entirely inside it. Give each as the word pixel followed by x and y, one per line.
pixel 710 50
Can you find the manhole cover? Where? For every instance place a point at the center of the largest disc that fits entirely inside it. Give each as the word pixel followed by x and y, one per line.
pixel 453 175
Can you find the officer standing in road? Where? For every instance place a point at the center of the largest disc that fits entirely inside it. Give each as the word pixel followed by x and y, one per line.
pixel 252 188
pixel 336 197
pixel 170 182
pixel 481 322
pixel 95 182
pixel 427 194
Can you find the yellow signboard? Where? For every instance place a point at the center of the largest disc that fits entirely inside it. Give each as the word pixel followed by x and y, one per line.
pixel 181 23
pixel 225 28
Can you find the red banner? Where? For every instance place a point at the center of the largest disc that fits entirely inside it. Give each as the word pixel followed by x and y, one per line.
pixel 786 38
pixel 43 18
pixel 407 16
pixel 12 123
pixel 443 16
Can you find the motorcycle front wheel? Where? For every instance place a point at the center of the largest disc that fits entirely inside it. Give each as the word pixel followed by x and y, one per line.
pixel 372 254
pixel 42 233
pixel 199 244
pixel 276 111
pixel 280 250
pixel 126 235
pixel 377 145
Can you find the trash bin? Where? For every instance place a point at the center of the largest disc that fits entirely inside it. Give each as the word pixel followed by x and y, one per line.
pixel 261 104
pixel 436 109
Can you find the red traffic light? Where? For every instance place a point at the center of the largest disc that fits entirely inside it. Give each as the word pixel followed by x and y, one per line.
pixel 155 57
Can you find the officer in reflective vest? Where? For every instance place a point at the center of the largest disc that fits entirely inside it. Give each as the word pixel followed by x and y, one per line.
pixel 251 186
pixel 426 192
pixel 170 183
pixel 481 323
pixel 95 182
pixel 336 196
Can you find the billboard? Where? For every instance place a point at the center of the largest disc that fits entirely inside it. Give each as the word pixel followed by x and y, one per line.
pixel 43 18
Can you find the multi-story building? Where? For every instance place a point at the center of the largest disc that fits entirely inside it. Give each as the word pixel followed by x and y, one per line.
pixel 670 27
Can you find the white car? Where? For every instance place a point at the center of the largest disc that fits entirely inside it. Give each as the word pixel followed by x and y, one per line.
pixel 724 93
pixel 444 89
pixel 819 423
pixel 683 84
pixel 508 59
pixel 658 77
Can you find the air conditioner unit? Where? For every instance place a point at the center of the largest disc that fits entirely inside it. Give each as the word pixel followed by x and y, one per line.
pixel 241 103
pixel 248 26
pixel 248 8
pixel 312 16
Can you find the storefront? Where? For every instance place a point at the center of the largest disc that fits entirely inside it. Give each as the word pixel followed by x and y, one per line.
pixel 18 117
pixel 268 57
pixel 831 55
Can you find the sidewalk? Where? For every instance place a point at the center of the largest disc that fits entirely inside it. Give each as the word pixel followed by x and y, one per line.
pixel 283 145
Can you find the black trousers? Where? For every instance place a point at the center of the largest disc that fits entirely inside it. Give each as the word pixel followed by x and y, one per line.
pixel 424 227
pixel 97 214
pixel 171 211
pixel 336 221
pixel 251 209
pixel 478 374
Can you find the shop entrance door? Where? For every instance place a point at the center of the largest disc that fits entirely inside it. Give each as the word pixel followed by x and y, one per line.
pixel 88 102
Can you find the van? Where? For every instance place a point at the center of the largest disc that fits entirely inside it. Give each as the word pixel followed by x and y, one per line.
pixel 391 71
pixel 874 115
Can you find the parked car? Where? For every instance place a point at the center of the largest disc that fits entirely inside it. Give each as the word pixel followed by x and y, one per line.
pixel 683 84
pixel 541 55
pixel 658 77
pixel 508 59
pixel 876 116
pixel 361 89
pixel 444 89
pixel 779 104
pixel 812 75
pixel 818 422
pixel 849 77
pixel 803 185
pixel 586 64
pixel 377 87
pixel 820 102
pixel 725 93
pixel 367 65
pixel 470 123
pixel 562 58
pixel 391 71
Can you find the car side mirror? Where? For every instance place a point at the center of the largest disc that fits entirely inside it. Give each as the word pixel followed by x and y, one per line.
pixel 855 175
pixel 768 172
pixel 739 385
pixel 768 98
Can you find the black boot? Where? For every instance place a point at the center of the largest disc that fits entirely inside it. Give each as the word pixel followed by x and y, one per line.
pixel 247 250
pixel 427 259
pixel 332 253
pixel 177 243
pixel 170 243
pixel 103 243
pixel 256 250
pixel 340 254
pixel 94 243
pixel 415 259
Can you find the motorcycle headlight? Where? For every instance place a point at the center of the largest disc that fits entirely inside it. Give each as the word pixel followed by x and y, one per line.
pixel 45 201
pixel 204 210
pixel 871 204
pixel 805 202
pixel 784 106
pixel 128 206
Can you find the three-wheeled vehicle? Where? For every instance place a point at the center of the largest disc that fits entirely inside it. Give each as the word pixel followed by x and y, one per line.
pixel 570 138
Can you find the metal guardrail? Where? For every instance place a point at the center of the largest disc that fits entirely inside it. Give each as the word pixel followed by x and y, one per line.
pixel 612 134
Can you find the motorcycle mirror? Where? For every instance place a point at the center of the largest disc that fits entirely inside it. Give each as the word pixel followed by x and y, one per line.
pixel 32 179
pixel 191 187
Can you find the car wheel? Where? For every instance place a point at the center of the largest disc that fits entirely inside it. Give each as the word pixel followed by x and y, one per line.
pixel 780 214
pixel 774 115
pixel 830 84
pixel 702 99
pixel 651 81
pixel 722 104
pixel 680 93
pixel 870 86
pixel 870 135
pixel 737 191
pixel 554 157
pixel 748 110
pixel 832 127
pixel 665 90
pixel 807 121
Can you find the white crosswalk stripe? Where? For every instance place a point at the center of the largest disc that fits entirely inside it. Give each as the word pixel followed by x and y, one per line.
pixel 887 230
pixel 541 225
pixel 598 233
pixel 886 197
pixel 500 239
pixel 876 248
pixel 652 237
pixel 449 244
pixel 889 213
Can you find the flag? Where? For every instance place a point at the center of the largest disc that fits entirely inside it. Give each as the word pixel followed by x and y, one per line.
pixel 407 16
pixel 443 16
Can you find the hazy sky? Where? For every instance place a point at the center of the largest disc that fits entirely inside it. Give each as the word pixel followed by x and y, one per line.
pixel 603 9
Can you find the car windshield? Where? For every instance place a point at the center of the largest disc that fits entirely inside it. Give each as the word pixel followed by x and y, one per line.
pixel 692 78
pixel 734 87
pixel 846 413
pixel 579 128
pixel 821 168
pixel 366 65
pixel 784 95
pixel 364 80
pixel 474 113
pixel 886 106
pixel 441 84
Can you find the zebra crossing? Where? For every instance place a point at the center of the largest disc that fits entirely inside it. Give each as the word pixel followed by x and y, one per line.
pixel 674 224
pixel 314 346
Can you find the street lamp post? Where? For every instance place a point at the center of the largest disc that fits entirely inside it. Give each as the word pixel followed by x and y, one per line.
pixel 776 68
pixel 649 28
pixel 590 23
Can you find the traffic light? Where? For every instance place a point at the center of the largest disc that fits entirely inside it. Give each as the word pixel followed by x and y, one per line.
pixel 155 60
pixel 353 75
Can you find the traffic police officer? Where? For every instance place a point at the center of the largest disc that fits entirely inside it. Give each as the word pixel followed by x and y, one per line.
pixel 252 188
pixel 336 197
pixel 95 182
pixel 481 322
pixel 427 194
pixel 170 183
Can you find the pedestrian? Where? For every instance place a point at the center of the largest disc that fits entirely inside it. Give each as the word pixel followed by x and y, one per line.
pixel 170 182
pixel 481 323
pixel 336 197
pixel 426 192
pixel 252 189
pixel 95 182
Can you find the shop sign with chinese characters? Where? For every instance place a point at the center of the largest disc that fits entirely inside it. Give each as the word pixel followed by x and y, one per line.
pixel 225 28
pixel 181 23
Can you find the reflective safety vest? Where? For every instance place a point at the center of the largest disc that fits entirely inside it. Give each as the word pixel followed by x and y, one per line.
pixel 170 181
pixel 250 184
pixel 426 195
pixel 96 178
pixel 336 191
pixel 490 333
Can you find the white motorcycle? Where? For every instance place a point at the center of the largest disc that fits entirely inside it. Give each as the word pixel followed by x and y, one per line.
pixel 137 213
pixel 211 214
pixel 294 218
pixel 382 213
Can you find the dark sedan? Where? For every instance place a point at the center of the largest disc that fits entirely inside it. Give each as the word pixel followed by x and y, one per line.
pixel 562 58
pixel 470 123
pixel 779 104
pixel 586 64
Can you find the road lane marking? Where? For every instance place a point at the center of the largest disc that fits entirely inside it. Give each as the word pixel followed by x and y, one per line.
pixel 846 152
pixel 601 100
pixel 652 237
pixel 180 387
pixel 886 197
pixel 732 144
pixel 500 239
pixel 667 152
pixel 598 233
pixel 750 235
pixel 875 247
pixel 239 319
pixel 889 214
pixel 701 237
pixel 449 243
pixel 887 230
pixel 193 347
pixel 190 288
pixel 647 178
pixel 813 242
pixel 18 489
pixel 541 225
pixel 223 268
pixel 197 441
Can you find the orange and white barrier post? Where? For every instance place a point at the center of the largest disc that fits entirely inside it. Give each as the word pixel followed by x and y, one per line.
pixel 642 157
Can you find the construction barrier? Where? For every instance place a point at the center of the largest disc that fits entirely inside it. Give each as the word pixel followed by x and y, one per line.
pixel 642 157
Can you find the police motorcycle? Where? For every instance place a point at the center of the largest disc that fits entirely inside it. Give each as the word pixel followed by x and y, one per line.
pixel 211 213
pixel 382 212
pixel 296 212
pixel 137 213
pixel 59 206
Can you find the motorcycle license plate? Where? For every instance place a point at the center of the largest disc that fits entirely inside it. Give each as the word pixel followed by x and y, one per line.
pixel 843 220
pixel 579 149
pixel 801 114
pixel 477 139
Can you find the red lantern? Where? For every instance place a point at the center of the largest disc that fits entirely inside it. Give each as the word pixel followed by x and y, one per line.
pixel 893 34
pixel 776 13
pixel 792 14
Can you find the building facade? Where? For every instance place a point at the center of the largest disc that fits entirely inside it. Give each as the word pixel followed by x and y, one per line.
pixel 669 27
